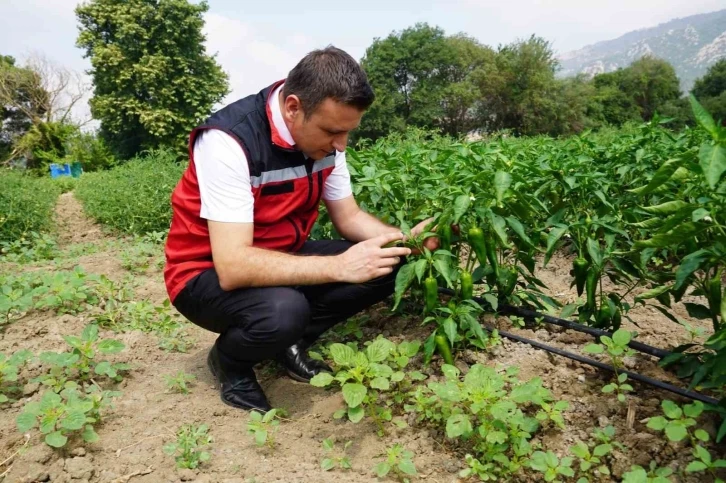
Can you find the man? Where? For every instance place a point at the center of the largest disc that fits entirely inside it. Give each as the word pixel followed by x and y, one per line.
pixel 238 261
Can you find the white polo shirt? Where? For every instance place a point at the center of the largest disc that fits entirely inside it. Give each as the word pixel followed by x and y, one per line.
pixel 224 175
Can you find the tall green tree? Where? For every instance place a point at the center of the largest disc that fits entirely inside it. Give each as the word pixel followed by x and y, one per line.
pixel 153 80
pixel 710 90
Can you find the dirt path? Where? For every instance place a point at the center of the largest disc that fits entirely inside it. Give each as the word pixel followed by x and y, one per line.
pixel 146 415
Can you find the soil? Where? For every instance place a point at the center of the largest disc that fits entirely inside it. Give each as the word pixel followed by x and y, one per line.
pixel 146 415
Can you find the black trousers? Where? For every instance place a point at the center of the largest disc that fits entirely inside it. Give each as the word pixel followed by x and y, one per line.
pixel 256 324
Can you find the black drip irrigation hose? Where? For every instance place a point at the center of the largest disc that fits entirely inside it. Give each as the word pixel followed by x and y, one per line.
pixel 531 314
pixel 592 362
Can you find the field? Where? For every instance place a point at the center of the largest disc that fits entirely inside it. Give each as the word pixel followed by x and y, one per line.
pixel 100 378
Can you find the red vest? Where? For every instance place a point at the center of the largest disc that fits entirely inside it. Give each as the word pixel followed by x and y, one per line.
pixel 286 187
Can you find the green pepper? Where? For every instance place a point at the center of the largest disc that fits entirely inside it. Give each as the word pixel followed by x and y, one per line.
pixel 579 268
pixel 445 234
pixel 591 288
pixel 491 249
pixel 603 316
pixel 442 346
pixel 431 293
pixel 476 241
pixel 467 286
pixel 507 281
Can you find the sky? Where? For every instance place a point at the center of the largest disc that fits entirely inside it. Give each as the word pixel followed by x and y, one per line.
pixel 258 42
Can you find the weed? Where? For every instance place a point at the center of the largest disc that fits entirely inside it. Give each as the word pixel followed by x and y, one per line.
pixel 189 448
pixel 178 383
pixel 334 459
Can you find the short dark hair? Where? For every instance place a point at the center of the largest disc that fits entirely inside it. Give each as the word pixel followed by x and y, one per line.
pixel 329 72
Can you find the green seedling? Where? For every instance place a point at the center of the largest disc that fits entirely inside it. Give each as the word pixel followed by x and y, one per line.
pixel 138 257
pixel 552 466
pixel 637 474
pixel 399 461
pixel 677 421
pixel 65 292
pixel 81 364
pixel 36 247
pixel 9 367
pixel 591 459
pixel 189 448
pixel 178 383
pixel 553 413
pixel 334 459
pixel 363 376
pixel 606 435
pixel 704 462
pixel 616 348
pixel 60 416
pixel 263 427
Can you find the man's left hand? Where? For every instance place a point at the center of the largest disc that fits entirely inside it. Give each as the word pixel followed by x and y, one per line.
pixel 431 243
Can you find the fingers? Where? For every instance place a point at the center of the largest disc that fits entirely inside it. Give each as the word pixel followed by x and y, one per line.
pixel 381 240
pixel 389 262
pixel 395 252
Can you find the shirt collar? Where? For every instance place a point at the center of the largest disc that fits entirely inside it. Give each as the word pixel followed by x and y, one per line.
pixel 280 133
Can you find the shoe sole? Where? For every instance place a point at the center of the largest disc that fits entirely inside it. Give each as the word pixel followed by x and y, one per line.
pixel 296 377
pixel 221 397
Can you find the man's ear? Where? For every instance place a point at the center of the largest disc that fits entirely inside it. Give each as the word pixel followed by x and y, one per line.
pixel 292 108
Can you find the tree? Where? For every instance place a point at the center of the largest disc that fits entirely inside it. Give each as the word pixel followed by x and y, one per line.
pixel 652 82
pixel 13 121
pixel 40 98
pixel 153 80
pixel 519 90
pixel 710 90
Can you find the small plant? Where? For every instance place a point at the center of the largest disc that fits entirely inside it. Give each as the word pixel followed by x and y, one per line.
pixel 638 474
pixel 704 462
pixel 35 247
pixel 81 364
pixel 178 383
pixel 138 257
pixel 9 367
pixel 263 427
pixel 334 459
pixel 189 448
pixel 616 348
pixel 591 460
pixel 397 460
pixel 65 292
pixel 552 466
pixel 553 412
pixel 59 416
pixel 677 421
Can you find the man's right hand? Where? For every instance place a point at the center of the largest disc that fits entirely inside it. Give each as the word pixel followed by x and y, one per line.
pixel 368 259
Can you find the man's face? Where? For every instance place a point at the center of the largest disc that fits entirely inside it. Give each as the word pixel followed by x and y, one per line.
pixel 325 130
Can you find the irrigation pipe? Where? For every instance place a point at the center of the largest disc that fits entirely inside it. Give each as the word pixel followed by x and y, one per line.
pixel 531 314
pixel 600 365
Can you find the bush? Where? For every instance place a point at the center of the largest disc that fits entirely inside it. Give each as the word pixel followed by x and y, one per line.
pixel 134 197
pixel 26 205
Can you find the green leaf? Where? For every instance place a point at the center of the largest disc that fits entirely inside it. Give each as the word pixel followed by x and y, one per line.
pixel 327 464
pixel 658 423
pixel 404 278
pixel 697 311
pixel 703 117
pixel 502 182
pixel 458 425
pixel 342 354
pixel 442 266
pixel 450 329
pixel 666 208
pixel 321 379
pixel 26 421
pixel 675 237
pixel 56 439
pixel 693 410
pixel 694 466
pixel 382 469
pixel 602 450
pixel 379 349
pixel 355 414
pixel 580 450
pixel 89 435
pixel 713 162
pixel 110 346
pixel 74 420
pixel 593 248
pixel 353 393
pixel 380 383
pixel 690 263
pixel 554 236
pixel 339 413
pixel 496 437
pixel 593 349
pixel 461 204
pixel 518 228
pixel 621 337
pixel 419 267
pixel 662 175
pixel 328 444
pixel 260 437
pixel 702 435
pixel 407 467
pixel 676 432
pixel 90 333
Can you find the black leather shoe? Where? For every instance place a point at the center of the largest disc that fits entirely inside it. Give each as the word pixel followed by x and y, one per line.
pixel 299 366
pixel 238 384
